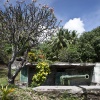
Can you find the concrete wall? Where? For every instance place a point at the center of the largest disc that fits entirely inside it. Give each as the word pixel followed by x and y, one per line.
pixel 96 74
pixel 57 71
pixel 54 77
pixel 82 92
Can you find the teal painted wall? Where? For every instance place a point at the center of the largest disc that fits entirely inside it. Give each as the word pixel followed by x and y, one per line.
pixel 24 75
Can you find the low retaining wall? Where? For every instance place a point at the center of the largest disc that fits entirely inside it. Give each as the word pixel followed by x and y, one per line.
pixel 88 92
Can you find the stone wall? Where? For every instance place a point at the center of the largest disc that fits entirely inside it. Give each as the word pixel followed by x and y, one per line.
pixel 85 92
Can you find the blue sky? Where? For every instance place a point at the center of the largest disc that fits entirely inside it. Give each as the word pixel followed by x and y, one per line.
pixel 87 11
pixel 76 14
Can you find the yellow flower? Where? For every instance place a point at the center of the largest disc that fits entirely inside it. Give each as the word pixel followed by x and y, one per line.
pixel 11 90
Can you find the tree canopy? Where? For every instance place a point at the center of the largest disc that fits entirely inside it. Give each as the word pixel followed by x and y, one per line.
pixel 89 43
pixel 21 26
pixel 68 47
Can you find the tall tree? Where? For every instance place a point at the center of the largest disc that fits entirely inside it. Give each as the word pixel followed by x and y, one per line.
pixel 58 42
pixel 89 45
pixel 63 39
pixel 21 26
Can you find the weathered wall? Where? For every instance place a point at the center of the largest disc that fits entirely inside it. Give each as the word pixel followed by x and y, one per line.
pixel 96 74
pixel 58 70
pixel 54 77
pixel 86 92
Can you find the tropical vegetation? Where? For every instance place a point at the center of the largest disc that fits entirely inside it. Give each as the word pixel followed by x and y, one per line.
pixel 31 32
pixel 67 46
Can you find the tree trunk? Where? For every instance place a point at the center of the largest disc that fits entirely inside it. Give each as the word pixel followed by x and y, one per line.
pixel 11 81
pixel 11 78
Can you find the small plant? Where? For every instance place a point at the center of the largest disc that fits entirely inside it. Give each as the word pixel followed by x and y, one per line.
pixel 5 91
pixel 35 56
pixel 67 96
pixel 42 71
pixel 32 57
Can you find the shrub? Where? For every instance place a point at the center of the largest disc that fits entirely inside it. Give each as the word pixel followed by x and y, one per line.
pixel 32 57
pixel 67 96
pixel 36 56
pixel 5 91
pixel 42 71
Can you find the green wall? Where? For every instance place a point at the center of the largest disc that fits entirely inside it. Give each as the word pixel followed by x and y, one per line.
pixel 24 75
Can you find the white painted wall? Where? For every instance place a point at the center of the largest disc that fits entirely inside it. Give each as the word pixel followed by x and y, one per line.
pixel 96 74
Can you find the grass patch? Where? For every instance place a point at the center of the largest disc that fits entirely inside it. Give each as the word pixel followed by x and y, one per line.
pixel 3 75
pixel 3 81
pixel 3 71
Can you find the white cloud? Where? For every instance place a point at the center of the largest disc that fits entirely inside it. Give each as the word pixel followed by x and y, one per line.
pixel 75 24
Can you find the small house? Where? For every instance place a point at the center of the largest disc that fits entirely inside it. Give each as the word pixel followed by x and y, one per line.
pixel 83 73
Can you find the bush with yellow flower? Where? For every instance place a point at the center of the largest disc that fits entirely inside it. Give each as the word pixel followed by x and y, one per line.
pixel 42 71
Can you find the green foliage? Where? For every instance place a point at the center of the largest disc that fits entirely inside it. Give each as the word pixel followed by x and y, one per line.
pixel 59 41
pixel 62 39
pixel 32 57
pixel 96 46
pixel 5 52
pixel 66 46
pixel 46 47
pixel 70 54
pixel 87 52
pixel 67 96
pixel 5 92
pixel 35 56
pixel 89 46
pixel 42 72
